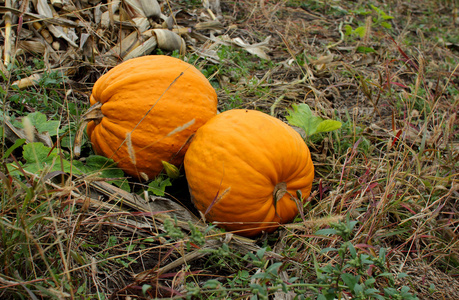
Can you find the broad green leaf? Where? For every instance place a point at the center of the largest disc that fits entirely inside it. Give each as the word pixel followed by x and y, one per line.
pixel 37 118
pixel 302 117
pixel 328 125
pixel 106 168
pixel 51 127
pixel 41 123
pixel 158 186
pixel 40 157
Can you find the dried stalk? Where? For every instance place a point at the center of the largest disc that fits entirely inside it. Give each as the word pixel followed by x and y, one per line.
pixel 8 42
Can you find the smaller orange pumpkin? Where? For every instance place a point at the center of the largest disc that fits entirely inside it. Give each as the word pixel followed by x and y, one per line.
pixel 244 169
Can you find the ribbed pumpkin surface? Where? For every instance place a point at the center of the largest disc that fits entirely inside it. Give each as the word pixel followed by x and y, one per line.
pixel 149 98
pixel 236 162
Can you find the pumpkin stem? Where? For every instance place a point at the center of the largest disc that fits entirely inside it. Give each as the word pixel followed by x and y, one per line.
pixel 279 191
pixel 94 113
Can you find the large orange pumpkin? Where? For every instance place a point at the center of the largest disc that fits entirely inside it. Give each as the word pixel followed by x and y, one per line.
pixel 149 107
pixel 244 168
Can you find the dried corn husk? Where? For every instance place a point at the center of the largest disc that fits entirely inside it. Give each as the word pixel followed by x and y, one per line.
pixel 135 44
pixel 59 32
pixel 56 3
pixel 144 49
pixel 127 44
pixel 142 23
pixel 27 16
pixel 150 8
pixel 134 8
pixel 32 46
pixel 209 25
pixel 168 40
pixel 144 8
pixel 28 81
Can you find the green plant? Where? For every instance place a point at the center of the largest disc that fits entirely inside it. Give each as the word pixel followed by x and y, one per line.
pixel 158 185
pixel 302 116
pixel 44 95
pixel 43 161
pixel 379 20
pixel 357 273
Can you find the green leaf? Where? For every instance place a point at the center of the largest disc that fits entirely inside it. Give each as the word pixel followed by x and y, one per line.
pixel 385 274
pixel 42 125
pixel 211 284
pixel 358 289
pixel 362 11
pixel 386 25
pixel 370 281
pixel 376 9
pixel 352 251
pixel 302 116
pixel 261 253
pixel 328 125
pixel 158 186
pixel 390 291
pixel 350 280
pixel 106 168
pixel 326 231
pixel 37 118
pixel 329 249
pixel 402 275
pixel 40 157
pixel 274 268
pixel 145 288
pixel 365 50
pixel 18 143
pixel 360 31
pixel 51 127
pixel 348 29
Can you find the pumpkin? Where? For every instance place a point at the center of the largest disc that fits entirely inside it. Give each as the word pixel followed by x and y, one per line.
pixel 145 110
pixel 244 169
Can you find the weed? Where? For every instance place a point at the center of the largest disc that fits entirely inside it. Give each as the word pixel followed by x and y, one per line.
pixel 379 20
pixel 302 116
pixel 356 273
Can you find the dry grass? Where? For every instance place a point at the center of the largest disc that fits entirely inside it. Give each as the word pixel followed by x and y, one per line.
pixel 393 166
